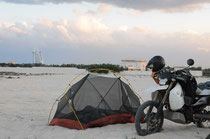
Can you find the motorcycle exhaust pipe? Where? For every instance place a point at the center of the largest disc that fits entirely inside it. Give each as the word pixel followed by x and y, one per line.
pixel 202 116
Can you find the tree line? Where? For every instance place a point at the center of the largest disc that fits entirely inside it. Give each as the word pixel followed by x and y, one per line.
pixel 113 67
pixel 116 68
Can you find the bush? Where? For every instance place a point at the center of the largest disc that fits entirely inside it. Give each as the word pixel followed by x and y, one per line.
pixel 115 68
pixel 112 67
pixel 196 68
pixel 206 72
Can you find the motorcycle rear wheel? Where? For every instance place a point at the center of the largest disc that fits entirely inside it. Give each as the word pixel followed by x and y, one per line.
pixel 204 123
pixel 145 122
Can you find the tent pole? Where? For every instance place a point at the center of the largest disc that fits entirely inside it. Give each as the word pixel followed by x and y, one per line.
pixel 70 105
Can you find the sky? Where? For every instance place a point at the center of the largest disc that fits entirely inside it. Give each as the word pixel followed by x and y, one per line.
pixel 105 31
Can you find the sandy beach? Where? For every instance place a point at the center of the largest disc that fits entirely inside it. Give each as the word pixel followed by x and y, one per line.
pixel 25 104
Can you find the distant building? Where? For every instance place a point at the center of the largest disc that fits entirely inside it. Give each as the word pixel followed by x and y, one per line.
pixel 134 64
pixel 37 57
pixel 12 63
pixel 179 67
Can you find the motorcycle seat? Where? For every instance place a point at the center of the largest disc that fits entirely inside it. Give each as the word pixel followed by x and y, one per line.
pixel 204 92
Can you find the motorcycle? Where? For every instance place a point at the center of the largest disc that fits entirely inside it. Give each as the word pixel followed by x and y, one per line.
pixel 177 98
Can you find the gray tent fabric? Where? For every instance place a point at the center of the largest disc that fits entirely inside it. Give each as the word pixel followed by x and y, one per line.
pixel 94 98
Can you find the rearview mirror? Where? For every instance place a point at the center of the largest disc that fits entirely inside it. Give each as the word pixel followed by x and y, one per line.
pixel 190 62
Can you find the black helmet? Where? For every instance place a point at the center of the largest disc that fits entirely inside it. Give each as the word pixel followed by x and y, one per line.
pixel 156 63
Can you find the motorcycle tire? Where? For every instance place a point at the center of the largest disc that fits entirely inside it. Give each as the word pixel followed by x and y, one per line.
pixel 204 123
pixel 147 118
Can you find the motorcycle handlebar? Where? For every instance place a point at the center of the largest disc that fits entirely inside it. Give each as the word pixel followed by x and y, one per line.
pixel 176 75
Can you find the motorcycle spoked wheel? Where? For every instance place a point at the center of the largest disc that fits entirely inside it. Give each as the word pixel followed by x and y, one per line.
pixel 145 122
pixel 204 123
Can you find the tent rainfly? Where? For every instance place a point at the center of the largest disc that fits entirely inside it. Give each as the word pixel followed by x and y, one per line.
pixel 96 101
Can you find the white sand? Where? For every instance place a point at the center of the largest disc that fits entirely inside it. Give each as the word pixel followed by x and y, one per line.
pixel 25 104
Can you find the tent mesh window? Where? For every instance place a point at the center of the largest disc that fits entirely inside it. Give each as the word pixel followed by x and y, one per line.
pixel 97 101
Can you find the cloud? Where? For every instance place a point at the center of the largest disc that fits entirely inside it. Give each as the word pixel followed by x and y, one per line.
pixel 15 29
pixel 46 22
pixel 88 40
pixel 102 9
pixel 132 12
pixel 203 49
pixel 142 5
pixel 184 8
pixel 77 12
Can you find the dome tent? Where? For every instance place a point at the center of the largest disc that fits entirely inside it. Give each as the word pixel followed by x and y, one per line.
pixel 96 101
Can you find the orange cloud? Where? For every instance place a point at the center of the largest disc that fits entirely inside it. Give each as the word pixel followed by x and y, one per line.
pixel 203 49
pixel 15 29
pixel 132 12
pixel 104 8
pixel 46 22
pixel 77 12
